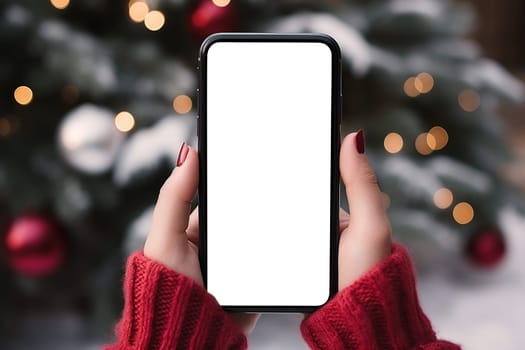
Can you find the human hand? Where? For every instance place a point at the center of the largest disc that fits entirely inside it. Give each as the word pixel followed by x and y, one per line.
pixel 365 234
pixel 173 239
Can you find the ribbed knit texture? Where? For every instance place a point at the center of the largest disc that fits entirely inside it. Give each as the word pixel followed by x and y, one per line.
pixel 166 310
pixel 380 311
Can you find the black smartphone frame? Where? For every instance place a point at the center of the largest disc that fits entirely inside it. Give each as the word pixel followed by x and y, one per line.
pixel 335 146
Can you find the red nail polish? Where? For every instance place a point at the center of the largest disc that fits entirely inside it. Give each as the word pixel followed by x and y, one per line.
pixel 360 142
pixel 183 153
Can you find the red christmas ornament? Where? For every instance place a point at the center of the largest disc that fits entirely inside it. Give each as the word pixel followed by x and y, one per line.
pixel 34 246
pixel 208 18
pixel 486 248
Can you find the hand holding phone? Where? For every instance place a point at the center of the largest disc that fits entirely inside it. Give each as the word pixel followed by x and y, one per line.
pixel 365 240
pixel 174 234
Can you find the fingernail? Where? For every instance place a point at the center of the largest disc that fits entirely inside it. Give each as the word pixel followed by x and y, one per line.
pixel 183 153
pixel 360 142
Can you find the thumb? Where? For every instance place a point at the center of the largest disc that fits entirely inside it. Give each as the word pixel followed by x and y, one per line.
pixel 366 240
pixel 172 210
pixel 364 197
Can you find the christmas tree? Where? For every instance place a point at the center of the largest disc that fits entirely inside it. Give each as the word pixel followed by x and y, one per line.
pixel 98 96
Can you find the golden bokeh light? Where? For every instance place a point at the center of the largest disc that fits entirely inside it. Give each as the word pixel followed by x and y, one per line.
pixel 437 138
pixel 60 4
pixel 124 121
pixel 422 143
pixel 469 100
pixel 424 82
pixel 393 142
pixel 182 104
pixel 138 11
pixel 443 198
pixel 412 87
pixel 463 213
pixel 23 95
pixel 154 20
pixel 221 3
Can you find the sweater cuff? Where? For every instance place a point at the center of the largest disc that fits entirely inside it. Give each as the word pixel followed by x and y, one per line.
pixel 163 308
pixel 378 311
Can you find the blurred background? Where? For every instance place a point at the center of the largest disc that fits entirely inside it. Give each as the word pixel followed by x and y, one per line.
pixel 96 97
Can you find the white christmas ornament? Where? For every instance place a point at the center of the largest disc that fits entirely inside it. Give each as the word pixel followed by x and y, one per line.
pixel 88 139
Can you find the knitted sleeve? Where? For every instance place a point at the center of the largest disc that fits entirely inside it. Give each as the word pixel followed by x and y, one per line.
pixel 379 311
pixel 167 310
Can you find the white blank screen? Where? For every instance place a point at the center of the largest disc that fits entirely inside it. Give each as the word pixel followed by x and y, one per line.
pixel 268 173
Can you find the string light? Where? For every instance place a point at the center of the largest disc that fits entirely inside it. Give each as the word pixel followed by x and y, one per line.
pixel 412 87
pixel 124 121
pixel 422 144
pixel 424 82
pixel 420 84
pixel 182 104
pixel 23 95
pixel 463 213
pixel 221 3
pixel 154 20
pixel 443 198
pixel 138 11
pixel 393 142
pixel 60 4
pixel 437 138
pixel 469 100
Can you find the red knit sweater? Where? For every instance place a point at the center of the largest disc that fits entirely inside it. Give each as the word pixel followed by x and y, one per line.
pixel 166 310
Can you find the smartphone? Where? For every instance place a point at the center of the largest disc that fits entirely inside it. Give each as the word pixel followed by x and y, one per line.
pixel 269 137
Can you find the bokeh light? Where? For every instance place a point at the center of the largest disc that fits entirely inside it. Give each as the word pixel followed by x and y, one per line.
pixel 138 11
pixel 437 138
pixel 182 104
pixel 124 121
pixel 463 213
pixel 60 4
pixel 424 82
pixel 423 145
pixel 412 87
pixel 393 142
pixel 23 95
pixel 154 20
pixel 443 198
pixel 469 100
pixel 221 3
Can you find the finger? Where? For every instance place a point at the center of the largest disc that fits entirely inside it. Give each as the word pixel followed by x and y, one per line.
pixel 171 213
pixel 364 197
pixel 193 227
pixel 366 240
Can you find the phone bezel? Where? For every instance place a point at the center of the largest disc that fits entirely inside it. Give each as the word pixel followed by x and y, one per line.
pixel 335 145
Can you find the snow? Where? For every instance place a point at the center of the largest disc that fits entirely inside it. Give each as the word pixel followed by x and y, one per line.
pixel 487 310
pixel 354 48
